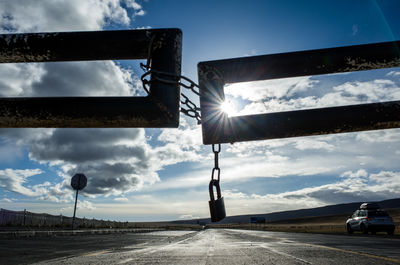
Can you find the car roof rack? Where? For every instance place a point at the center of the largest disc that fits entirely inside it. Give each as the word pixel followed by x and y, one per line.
pixel 369 206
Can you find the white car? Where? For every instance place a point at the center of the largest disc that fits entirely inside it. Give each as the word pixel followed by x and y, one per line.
pixel 369 218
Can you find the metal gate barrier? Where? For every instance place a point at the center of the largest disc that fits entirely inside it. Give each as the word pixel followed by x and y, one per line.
pixel 159 109
pixel 219 128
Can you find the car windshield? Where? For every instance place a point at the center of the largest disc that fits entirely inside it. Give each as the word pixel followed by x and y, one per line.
pixel 378 213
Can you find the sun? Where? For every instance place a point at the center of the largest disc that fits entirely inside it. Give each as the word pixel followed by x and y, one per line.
pixel 228 108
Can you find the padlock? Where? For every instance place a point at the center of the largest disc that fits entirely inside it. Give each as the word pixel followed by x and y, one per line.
pixel 217 207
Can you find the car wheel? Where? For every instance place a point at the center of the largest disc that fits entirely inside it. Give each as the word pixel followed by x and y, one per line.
pixel 363 229
pixel 349 230
pixel 390 232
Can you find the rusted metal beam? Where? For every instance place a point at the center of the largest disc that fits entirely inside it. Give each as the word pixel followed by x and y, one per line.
pixel 75 46
pixel 305 63
pixel 159 109
pixel 81 112
pixel 321 121
pixel 217 127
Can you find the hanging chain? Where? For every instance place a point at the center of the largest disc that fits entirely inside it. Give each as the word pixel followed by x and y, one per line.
pixel 216 152
pixel 191 109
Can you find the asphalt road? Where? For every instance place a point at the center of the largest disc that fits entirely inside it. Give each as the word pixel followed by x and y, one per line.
pixel 209 246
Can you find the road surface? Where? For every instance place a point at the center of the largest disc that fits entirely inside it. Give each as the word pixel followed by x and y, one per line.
pixel 211 246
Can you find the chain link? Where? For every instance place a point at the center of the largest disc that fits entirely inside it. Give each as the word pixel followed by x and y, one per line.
pixel 191 109
pixel 145 82
pixel 216 163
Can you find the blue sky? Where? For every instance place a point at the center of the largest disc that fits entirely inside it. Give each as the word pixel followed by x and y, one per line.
pixel 163 174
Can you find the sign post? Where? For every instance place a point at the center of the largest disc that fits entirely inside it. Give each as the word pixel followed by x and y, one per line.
pixel 78 182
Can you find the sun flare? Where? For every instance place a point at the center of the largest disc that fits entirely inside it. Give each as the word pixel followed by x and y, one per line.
pixel 228 108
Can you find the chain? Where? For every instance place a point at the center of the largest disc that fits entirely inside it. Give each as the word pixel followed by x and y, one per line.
pixel 191 109
pixel 216 164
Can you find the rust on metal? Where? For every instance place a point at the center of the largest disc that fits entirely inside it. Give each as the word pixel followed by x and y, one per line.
pixel 305 63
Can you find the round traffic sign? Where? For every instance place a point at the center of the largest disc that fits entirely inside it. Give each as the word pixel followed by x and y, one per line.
pixel 78 181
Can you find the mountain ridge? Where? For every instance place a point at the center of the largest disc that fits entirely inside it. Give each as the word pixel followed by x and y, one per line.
pixel 343 208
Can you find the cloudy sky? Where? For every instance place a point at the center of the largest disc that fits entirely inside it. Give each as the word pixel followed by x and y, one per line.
pixel 163 174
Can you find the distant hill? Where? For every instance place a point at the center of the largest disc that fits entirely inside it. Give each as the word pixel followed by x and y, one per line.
pixel 337 209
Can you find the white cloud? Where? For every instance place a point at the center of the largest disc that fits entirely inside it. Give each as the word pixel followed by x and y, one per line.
pixel 252 167
pixel 234 169
pixel 140 13
pixel 188 217
pixel 87 205
pixel 382 136
pixel 104 78
pixel 312 144
pixel 312 155
pixel 370 91
pixel 187 179
pixel 355 186
pixel 121 199
pixel 182 144
pixel 393 73
pixel 361 173
pixel 84 205
pixel 186 136
pixel 71 15
pixel 293 94
pixel 234 194
pixel 278 88
pixel 18 79
pixel 170 154
pixel 14 180
pixel 136 6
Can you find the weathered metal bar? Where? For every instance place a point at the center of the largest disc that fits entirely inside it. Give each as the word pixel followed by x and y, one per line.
pixel 312 62
pixel 159 109
pixel 75 46
pixel 341 119
pixel 80 112
pixel 213 75
pixel 168 58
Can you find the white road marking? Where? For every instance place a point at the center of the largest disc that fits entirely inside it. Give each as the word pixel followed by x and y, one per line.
pixel 283 253
pixel 211 248
pixel 125 261
pixel 153 249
